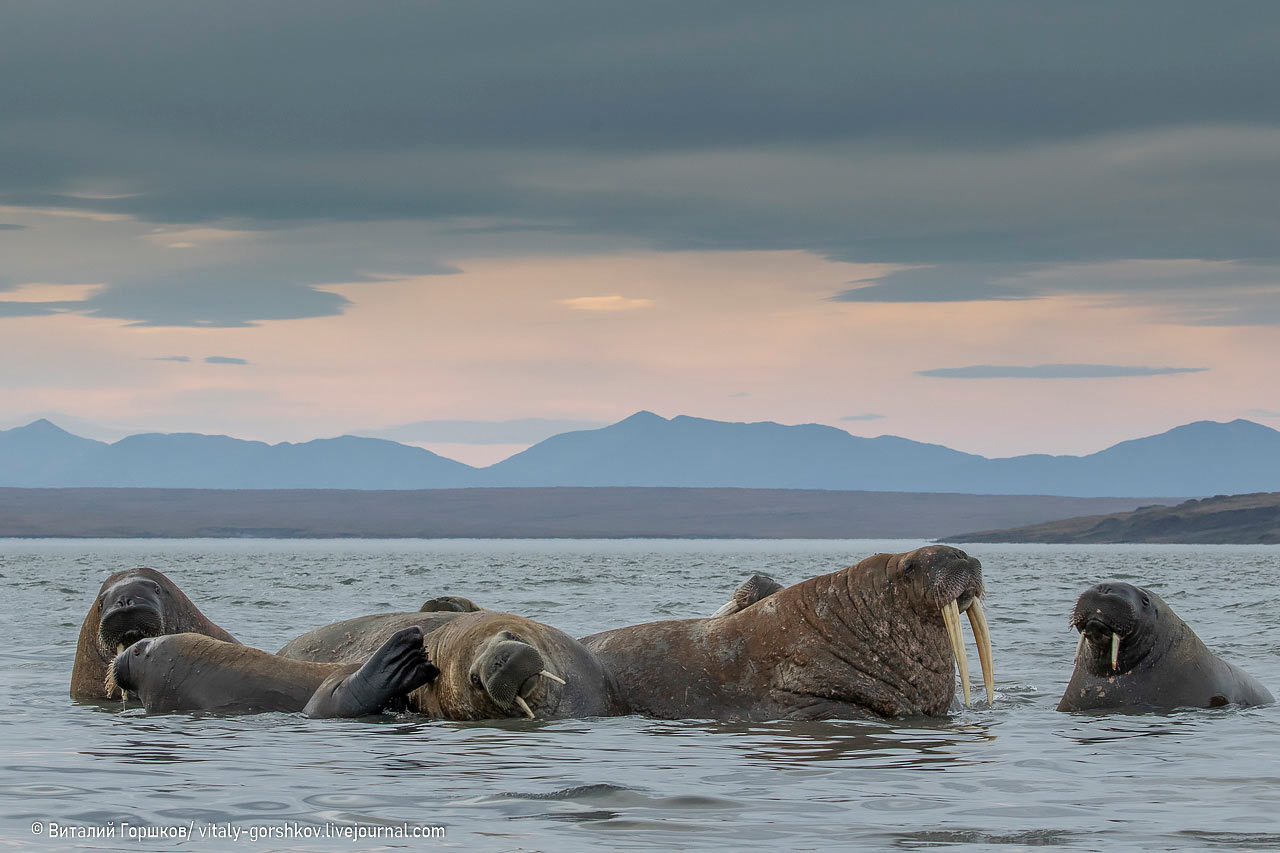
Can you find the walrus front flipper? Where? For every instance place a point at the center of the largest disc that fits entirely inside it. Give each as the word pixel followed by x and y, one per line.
pixel 755 588
pixel 397 668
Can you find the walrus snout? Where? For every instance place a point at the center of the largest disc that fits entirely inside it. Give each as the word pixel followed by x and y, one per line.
pixel 120 673
pixel 508 670
pixel 952 581
pixel 1106 616
pixel 130 611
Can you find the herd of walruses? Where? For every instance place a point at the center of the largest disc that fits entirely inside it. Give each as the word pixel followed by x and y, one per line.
pixel 881 638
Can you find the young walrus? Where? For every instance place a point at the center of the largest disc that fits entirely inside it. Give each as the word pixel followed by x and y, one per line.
pixel 191 672
pixel 1136 654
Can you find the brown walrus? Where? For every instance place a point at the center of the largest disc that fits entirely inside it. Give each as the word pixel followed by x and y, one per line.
pixel 193 672
pixel 131 605
pixel 1135 654
pixel 880 638
pixel 492 664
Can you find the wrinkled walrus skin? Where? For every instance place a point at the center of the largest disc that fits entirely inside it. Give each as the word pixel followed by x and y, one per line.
pixel 869 640
pixel 131 605
pixel 1136 655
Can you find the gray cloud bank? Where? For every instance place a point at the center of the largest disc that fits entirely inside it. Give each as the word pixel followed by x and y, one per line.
pixel 1052 371
pixel 224 359
pixel 989 140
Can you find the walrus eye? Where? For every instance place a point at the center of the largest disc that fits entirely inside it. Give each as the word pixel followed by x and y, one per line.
pixel 1146 602
pixel 476 682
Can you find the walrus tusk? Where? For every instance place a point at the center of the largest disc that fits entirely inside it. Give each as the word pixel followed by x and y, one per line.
pixel 1115 650
pixel 982 637
pixel 951 616
pixel 524 706
pixel 1079 648
pixel 557 679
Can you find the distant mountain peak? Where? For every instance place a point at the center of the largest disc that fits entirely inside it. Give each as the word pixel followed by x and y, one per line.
pixel 43 426
pixel 642 417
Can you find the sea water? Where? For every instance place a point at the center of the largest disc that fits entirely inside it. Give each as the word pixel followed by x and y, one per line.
pixel 1017 775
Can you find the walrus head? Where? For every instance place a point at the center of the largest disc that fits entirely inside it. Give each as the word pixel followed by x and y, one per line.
pixel 129 610
pixel 130 605
pixel 120 673
pixel 495 665
pixel 947 581
pixel 1112 618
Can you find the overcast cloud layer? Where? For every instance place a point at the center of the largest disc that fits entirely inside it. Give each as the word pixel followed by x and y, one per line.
pixel 996 150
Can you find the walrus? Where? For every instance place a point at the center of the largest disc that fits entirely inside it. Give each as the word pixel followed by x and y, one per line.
pixel 1135 654
pixel 492 664
pixel 193 672
pixel 880 638
pixel 449 604
pixel 748 593
pixel 131 605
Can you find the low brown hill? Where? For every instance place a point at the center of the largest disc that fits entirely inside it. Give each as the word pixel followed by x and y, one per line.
pixel 1222 520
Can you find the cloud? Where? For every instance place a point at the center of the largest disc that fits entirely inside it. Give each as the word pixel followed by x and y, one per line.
pixel 182 358
pixel 1052 371
pixel 868 416
pixel 517 431
pixel 1262 413
pixel 974 140
pixel 9 226
pixel 605 303
pixel 222 359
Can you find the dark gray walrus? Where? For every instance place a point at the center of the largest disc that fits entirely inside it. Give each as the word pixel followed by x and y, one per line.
pixel 131 605
pixel 1136 654
pixel 192 672
pixel 881 638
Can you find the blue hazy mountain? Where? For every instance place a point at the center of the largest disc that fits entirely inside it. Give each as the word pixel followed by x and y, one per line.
pixel 41 455
pixel 1202 458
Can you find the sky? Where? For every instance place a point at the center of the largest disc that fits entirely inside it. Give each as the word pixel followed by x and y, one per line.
pixel 1001 226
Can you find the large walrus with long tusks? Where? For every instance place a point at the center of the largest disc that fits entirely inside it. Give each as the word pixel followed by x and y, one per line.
pixel 1135 654
pixel 131 605
pixel 881 638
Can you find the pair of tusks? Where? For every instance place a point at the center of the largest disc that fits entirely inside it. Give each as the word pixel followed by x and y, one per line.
pixel 524 706
pixel 981 636
pixel 1115 649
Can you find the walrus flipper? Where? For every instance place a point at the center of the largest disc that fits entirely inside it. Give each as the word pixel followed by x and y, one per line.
pixel 397 668
pixel 752 590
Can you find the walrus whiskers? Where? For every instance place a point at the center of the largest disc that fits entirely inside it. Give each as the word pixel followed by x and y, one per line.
pixel 557 679
pixel 524 706
pixel 1115 650
pixel 110 686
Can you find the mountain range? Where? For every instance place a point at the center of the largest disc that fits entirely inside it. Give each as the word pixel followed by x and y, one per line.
pixel 1201 458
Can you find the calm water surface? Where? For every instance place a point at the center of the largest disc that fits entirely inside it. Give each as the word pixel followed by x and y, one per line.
pixel 1017 776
